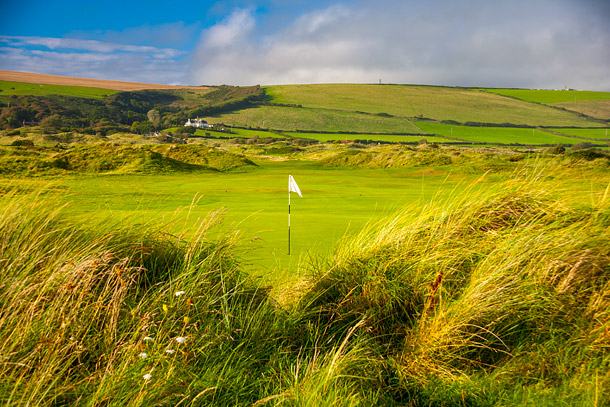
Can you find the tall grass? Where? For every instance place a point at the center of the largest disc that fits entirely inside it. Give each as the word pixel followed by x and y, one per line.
pixel 491 291
pixel 493 296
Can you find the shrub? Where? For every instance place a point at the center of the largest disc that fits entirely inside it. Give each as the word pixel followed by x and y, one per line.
pixel 582 145
pixel 23 143
pixel 558 149
pixel 588 154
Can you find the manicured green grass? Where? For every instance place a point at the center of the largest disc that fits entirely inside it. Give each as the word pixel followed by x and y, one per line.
pixel 502 135
pixel 22 88
pixel 255 201
pixel 306 119
pixel 547 96
pixel 440 103
pixel 587 133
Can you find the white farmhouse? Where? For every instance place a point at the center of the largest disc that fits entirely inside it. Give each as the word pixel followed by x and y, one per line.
pixel 199 123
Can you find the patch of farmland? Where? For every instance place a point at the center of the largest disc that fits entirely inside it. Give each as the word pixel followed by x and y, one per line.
pixel 593 108
pixel 237 133
pixel 86 82
pixel 10 88
pixel 599 134
pixel 547 96
pixel 393 138
pixel 293 118
pixel 500 135
pixel 440 103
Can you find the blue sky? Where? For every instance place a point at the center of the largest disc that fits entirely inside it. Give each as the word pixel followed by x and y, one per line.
pixel 517 43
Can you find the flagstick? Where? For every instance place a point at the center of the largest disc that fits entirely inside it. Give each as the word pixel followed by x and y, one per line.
pixel 289 219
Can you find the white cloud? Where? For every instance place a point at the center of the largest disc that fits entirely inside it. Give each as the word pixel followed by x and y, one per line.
pixel 87 45
pixel 90 58
pixel 544 43
pixel 232 30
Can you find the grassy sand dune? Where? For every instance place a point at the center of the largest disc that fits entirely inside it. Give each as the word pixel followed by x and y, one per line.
pixel 103 158
pixel 487 297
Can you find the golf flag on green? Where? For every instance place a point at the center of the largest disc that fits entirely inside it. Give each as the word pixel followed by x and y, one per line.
pixel 292 187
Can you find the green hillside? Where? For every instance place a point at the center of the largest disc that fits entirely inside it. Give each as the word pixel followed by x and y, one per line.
pixel 8 88
pixel 547 96
pixel 498 135
pixel 308 119
pixel 116 159
pixel 439 103
pixel 322 112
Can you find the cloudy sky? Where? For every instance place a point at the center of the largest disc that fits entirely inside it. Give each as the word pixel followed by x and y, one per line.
pixel 517 43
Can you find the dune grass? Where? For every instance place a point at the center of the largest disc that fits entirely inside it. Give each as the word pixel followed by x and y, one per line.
pixel 494 297
pixel 109 158
pixel 488 296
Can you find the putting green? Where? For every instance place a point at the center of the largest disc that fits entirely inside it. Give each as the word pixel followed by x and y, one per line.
pixel 255 202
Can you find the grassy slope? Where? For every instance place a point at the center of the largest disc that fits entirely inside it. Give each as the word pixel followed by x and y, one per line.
pixel 106 158
pixel 503 135
pixel 439 103
pixel 375 137
pixel 292 118
pixel 594 104
pixel 22 88
pixel 599 108
pixel 600 134
pixel 551 96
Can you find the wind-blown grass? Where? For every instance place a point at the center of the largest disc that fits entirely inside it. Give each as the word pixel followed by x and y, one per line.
pixel 492 296
pixel 111 158
pixel 135 317
pixel 490 292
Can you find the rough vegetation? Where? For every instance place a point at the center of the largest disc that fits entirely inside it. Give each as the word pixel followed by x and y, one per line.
pixel 489 298
pixel 112 158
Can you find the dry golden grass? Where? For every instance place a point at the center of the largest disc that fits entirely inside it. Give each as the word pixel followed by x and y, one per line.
pixel 93 83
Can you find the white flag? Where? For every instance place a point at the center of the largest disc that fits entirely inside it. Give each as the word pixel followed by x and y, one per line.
pixel 293 187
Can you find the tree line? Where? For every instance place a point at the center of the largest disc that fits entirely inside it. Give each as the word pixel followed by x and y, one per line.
pixel 138 111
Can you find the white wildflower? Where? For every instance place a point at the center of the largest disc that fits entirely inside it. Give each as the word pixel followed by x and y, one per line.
pixel 180 339
pixel 179 293
pixel 143 355
pixel 147 376
pixel 148 338
pixel 170 351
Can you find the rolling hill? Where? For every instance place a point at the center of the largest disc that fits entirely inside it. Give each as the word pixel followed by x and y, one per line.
pixel 321 111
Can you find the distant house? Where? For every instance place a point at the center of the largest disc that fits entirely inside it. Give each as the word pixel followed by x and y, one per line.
pixel 199 123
